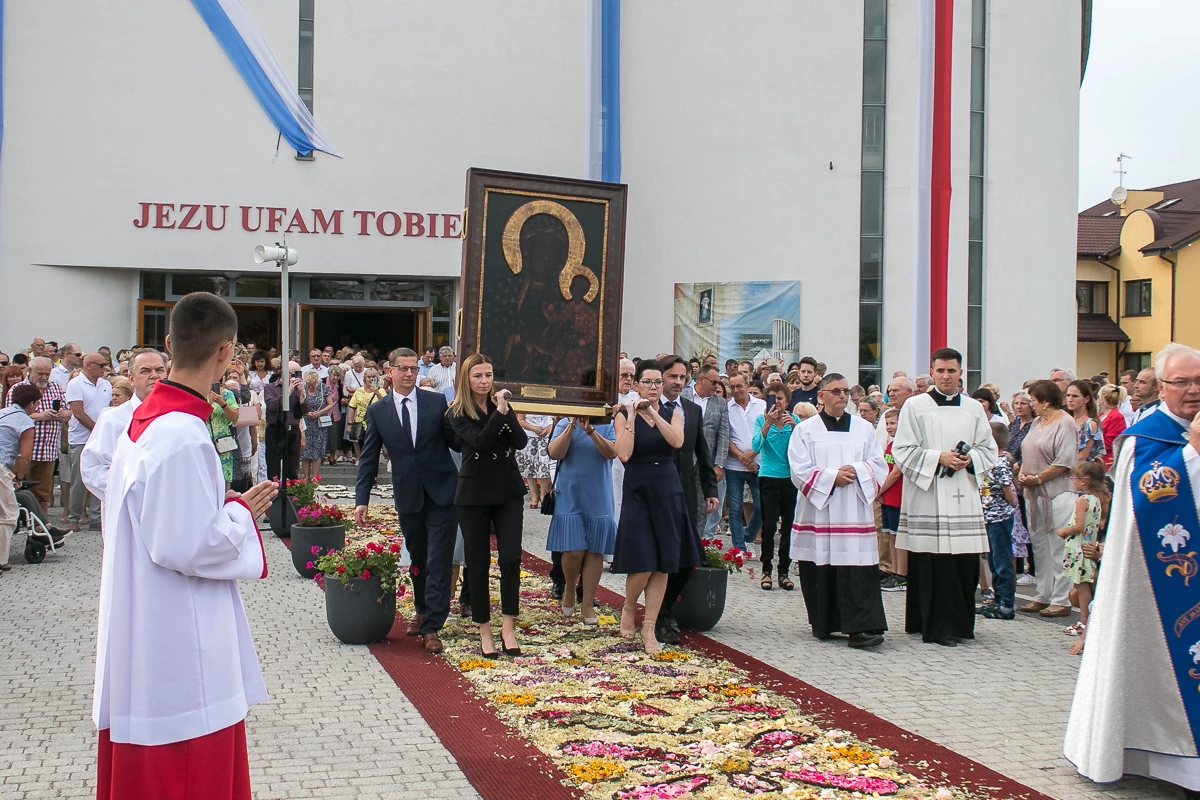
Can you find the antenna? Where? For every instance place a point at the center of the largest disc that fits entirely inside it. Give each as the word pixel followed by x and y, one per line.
pixel 1120 194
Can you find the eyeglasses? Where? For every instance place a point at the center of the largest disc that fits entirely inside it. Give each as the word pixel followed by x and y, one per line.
pixel 3 363
pixel 1184 383
pixel 407 369
pixel 836 392
pixel 626 374
pixel 650 384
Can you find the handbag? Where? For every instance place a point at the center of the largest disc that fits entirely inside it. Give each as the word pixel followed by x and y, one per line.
pixel 325 421
pixel 354 431
pixel 225 444
pixel 548 500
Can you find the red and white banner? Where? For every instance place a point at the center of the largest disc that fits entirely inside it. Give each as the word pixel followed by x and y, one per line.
pixel 931 176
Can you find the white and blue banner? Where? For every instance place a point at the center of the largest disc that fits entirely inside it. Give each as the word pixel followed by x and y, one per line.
pixel 603 54
pixel 244 43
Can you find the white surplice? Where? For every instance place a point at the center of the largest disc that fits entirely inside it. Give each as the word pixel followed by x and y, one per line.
pixel 97 454
pixel 1128 716
pixel 942 515
pixel 174 656
pixel 835 525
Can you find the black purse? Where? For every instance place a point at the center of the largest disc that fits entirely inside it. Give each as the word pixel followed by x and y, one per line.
pixel 549 499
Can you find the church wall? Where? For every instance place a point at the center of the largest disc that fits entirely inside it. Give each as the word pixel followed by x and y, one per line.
pixel 1031 187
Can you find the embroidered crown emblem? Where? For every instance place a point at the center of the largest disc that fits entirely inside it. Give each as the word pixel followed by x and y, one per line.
pixel 1159 483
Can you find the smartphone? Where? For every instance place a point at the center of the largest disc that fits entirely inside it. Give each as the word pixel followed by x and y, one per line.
pixel 56 405
pixel 216 387
pixel 296 375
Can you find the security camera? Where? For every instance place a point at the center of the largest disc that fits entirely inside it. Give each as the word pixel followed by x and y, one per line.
pixel 264 253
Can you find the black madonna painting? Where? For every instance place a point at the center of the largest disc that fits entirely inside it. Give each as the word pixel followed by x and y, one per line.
pixel 541 281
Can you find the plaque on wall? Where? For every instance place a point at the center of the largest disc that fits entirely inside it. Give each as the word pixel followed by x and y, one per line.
pixel 541 288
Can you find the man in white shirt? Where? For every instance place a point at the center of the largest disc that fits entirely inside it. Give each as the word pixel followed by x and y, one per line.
pixel 741 466
pixel 87 395
pixel 1127 378
pixel 626 393
pixel 315 364
pixel 147 367
pixel 442 374
pixel 72 359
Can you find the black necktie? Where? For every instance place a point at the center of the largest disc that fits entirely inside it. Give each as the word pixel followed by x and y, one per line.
pixel 405 422
pixel 671 404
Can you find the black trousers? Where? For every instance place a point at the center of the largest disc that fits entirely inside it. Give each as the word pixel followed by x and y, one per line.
pixel 275 436
pixel 940 602
pixel 845 599
pixel 556 571
pixel 675 583
pixel 429 535
pixel 778 496
pixel 477 523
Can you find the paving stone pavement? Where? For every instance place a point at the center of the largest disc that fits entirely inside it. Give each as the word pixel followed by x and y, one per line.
pixel 337 726
pixel 1001 700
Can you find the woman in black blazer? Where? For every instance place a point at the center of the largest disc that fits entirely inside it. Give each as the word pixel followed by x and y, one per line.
pixel 490 495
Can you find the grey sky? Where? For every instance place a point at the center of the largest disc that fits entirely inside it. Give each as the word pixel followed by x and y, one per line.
pixel 1140 96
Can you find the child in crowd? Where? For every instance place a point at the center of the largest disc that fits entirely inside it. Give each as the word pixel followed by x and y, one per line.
pixel 1084 529
pixel 999 497
pixel 889 508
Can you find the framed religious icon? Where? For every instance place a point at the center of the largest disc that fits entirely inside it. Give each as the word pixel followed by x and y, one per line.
pixel 705 315
pixel 541 288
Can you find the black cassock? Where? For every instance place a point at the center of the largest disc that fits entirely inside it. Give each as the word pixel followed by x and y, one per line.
pixel 845 599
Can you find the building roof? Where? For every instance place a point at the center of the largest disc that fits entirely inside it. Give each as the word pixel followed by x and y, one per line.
pixel 1176 220
pixel 1100 328
pixel 1098 237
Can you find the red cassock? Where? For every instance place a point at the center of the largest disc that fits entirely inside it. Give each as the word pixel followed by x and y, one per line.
pixel 212 767
pixel 176 669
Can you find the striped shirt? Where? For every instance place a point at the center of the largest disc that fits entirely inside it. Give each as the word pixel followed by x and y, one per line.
pixel 47 436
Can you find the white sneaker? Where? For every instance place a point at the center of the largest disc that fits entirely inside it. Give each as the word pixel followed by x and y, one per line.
pixel 1026 580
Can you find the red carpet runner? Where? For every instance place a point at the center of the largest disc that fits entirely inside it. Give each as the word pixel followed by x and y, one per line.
pixel 503 765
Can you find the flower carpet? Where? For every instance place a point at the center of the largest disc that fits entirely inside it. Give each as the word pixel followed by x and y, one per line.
pixel 612 722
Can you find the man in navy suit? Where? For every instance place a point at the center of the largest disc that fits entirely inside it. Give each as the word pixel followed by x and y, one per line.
pixel 412 425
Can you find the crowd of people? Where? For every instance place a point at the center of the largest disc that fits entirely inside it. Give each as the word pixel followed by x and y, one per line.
pixel 915 487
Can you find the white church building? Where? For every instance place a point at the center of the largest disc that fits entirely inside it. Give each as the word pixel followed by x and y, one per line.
pixel 766 140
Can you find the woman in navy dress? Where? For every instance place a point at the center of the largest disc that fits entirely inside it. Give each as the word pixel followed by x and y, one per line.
pixel 655 536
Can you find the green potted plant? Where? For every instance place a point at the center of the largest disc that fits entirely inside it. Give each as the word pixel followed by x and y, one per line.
pixel 702 601
pixel 318 530
pixel 360 591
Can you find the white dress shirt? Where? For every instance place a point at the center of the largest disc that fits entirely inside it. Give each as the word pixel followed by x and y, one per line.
pixel 60 375
pixel 1127 411
pixel 412 410
pixel 322 371
pixel 702 402
pixel 741 429
pixel 662 401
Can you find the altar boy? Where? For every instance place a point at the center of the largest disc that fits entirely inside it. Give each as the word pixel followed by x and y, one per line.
pixel 838 466
pixel 176 669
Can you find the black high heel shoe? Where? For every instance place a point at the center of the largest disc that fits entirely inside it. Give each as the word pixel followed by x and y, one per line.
pixel 509 651
pixel 492 655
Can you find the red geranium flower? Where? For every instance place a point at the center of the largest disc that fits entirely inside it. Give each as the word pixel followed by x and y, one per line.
pixel 728 556
pixel 341 568
pixel 395 548
pixel 366 574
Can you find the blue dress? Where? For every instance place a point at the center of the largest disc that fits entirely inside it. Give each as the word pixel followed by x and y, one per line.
pixel 655 533
pixel 583 508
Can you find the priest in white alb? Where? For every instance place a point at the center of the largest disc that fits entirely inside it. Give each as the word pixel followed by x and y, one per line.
pixel 838 466
pixel 146 368
pixel 943 447
pixel 1137 698
pixel 176 669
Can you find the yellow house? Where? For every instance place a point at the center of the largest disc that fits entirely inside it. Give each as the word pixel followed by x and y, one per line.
pixel 1137 278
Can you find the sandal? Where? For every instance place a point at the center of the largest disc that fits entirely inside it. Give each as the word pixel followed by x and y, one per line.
pixel 785 583
pixel 996 612
pixel 1074 630
pixel 765 583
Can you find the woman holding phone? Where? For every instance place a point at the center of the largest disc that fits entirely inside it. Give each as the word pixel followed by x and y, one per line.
pixel 490 495
pixel 655 535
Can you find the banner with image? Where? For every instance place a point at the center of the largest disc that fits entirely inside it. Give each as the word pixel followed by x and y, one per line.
pixel 749 321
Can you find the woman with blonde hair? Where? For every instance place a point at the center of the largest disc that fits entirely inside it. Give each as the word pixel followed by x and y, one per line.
pixel 489 495
pixel 803 411
pixel 1112 421
pixel 122 391
pixel 317 423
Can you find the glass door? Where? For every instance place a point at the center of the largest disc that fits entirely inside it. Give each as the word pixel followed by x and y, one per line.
pixel 154 319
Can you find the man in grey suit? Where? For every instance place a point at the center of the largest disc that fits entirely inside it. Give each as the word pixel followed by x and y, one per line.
pixel 715 431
